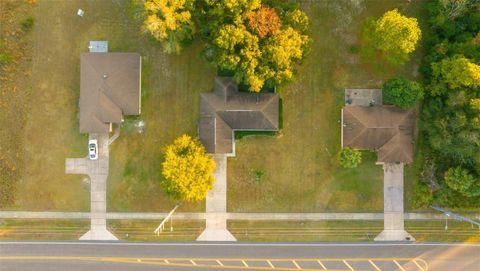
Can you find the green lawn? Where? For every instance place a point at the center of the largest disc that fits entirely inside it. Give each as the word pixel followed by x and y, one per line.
pixel 43 229
pixel 294 171
pixel 347 231
pixel 142 230
pixel 189 230
pixel 300 172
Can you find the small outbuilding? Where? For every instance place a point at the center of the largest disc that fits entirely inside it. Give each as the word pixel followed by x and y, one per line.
pixel 110 88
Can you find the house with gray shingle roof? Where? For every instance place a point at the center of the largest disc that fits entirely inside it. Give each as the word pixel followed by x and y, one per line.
pixel 226 110
pixel 109 89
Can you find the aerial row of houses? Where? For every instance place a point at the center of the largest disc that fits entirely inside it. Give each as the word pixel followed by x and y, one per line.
pixel 110 88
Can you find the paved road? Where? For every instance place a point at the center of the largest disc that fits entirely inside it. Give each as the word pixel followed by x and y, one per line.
pixel 240 256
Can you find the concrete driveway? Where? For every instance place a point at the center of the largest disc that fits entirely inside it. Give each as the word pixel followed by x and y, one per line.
pixel 97 170
pixel 393 221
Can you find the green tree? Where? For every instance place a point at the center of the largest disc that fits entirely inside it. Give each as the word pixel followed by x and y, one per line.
pixel 170 22
pixel 393 34
pixel 402 92
pixel 462 181
pixel 454 73
pixel 350 158
pixel 187 170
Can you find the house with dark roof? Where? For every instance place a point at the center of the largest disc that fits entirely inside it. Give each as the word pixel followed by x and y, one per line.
pixel 386 129
pixel 226 110
pixel 109 89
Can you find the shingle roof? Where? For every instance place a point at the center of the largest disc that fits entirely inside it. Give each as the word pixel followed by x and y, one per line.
pixel 226 109
pixel 109 89
pixel 385 129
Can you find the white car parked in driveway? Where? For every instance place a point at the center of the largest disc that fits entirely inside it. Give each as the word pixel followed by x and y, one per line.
pixel 93 149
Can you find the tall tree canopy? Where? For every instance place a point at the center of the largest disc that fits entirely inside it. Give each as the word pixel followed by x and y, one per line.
pixel 450 115
pixel 187 169
pixel 257 43
pixel 259 46
pixel 264 21
pixel 170 22
pixel 393 34
pixel 454 73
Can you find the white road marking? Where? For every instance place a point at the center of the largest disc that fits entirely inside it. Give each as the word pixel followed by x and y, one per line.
pixel 270 263
pixel 219 262
pixel 296 264
pixel 193 262
pixel 244 263
pixel 374 265
pixel 321 264
pixel 399 266
pixel 349 266
pixel 419 266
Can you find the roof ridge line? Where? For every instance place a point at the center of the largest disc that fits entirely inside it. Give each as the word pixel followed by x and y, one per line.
pixel 272 98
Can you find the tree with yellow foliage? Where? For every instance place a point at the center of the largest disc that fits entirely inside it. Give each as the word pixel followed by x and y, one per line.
pixel 394 35
pixel 257 48
pixel 170 22
pixel 212 14
pixel 187 170
pixel 282 51
pixel 454 73
pixel 259 45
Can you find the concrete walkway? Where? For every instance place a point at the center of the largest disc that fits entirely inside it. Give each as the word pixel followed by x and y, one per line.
pixel 116 134
pixel 97 170
pixel 216 205
pixel 393 223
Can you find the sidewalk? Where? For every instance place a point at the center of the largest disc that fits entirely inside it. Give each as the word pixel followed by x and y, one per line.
pixel 228 216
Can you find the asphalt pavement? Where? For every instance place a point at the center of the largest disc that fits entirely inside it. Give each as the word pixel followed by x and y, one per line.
pixel 238 256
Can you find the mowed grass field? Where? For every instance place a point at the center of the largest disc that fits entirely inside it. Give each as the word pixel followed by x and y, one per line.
pixel 299 167
pixel 295 171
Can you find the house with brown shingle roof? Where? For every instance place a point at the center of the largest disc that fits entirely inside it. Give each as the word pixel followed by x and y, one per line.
pixel 109 89
pixel 386 129
pixel 226 110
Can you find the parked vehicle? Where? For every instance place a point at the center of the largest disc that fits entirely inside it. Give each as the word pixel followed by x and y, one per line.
pixel 93 149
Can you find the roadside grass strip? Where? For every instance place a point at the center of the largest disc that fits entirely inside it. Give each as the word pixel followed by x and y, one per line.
pixel 337 264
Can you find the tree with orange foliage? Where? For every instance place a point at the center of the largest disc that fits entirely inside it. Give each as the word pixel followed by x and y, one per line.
pixel 264 21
